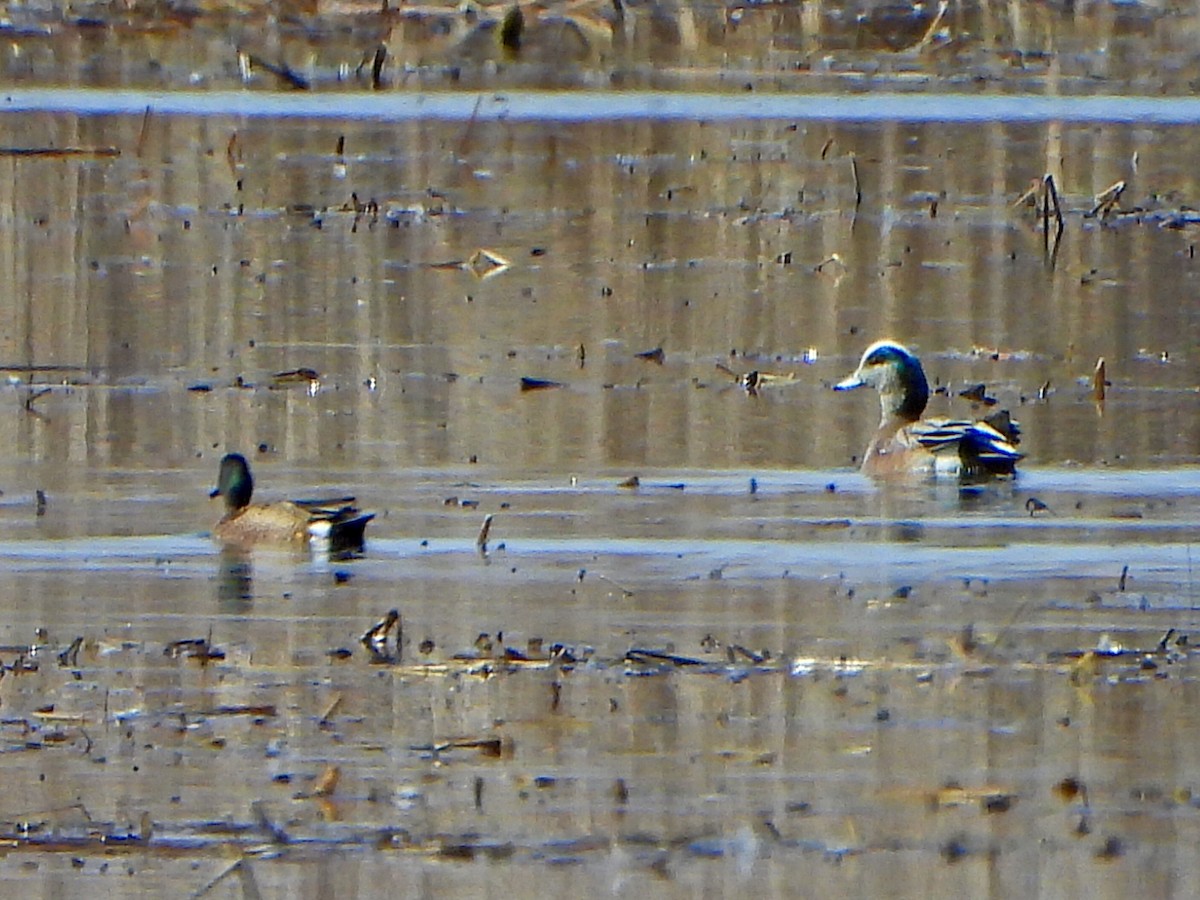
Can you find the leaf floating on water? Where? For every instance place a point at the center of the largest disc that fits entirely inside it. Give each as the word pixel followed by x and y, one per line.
pixel 538 384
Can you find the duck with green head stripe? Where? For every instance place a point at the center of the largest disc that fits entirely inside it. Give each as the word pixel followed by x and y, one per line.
pixel 905 444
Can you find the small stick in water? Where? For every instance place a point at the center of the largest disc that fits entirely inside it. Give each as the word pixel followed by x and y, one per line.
pixel 481 541
pixel 1099 381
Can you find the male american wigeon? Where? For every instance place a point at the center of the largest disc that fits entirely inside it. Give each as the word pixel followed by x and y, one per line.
pixel 335 520
pixel 904 443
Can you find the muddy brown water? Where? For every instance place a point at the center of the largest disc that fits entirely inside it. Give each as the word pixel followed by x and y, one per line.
pixel 756 671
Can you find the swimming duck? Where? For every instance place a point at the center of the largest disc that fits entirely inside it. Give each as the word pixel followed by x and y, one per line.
pixel 906 444
pixel 335 520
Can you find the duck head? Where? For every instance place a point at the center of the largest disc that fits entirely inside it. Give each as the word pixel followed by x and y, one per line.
pixel 234 482
pixel 897 374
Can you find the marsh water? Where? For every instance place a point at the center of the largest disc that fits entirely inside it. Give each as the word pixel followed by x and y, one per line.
pixel 698 654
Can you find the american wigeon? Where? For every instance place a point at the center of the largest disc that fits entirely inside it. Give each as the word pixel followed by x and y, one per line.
pixel 335 520
pixel 906 444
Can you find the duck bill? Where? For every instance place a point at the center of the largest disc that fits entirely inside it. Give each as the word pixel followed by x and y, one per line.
pixel 215 492
pixel 849 384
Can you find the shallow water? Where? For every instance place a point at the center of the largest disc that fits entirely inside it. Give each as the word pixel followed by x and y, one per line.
pixel 756 669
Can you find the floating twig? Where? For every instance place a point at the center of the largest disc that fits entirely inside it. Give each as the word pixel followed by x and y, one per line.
pixel 330 710
pixel 240 868
pixel 933 26
pixel 279 70
pixel 1106 200
pixel 327 783
pixel 60 151
pixel 640 655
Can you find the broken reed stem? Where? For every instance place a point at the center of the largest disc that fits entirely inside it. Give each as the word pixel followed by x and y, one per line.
pixel 1099 381
pixel 1052 198
pixel 60 151
pixel 481 541
pixel 377 67
pixel 933 26
pixel 141 141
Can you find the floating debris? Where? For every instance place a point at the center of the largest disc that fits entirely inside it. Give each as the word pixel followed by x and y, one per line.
pixel 93 152
pixel 484 264
pixel 247 61
pixel 641 656
pixel 538 384
pixel 375 638
pixel 304 376
pixel 193 648
pixel 655 356
pixel 977 393
pixel 1035 506
pixel 511 29
pixel 70 656
pixel 1100 382
pixel 1106 200
pixel 482 539
pixel 327 783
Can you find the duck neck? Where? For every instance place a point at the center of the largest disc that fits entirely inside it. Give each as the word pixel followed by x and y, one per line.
pixel 906 401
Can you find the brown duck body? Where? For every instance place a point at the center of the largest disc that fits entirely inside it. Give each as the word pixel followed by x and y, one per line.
pixel 336 521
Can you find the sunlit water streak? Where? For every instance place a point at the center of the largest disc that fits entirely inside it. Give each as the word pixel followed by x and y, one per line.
pixel 584 106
